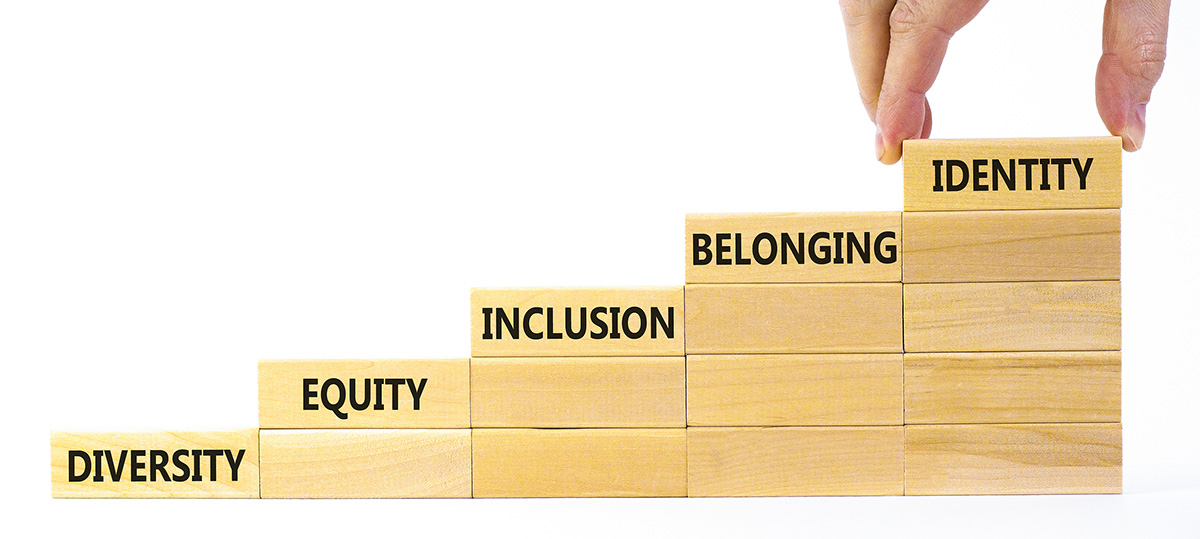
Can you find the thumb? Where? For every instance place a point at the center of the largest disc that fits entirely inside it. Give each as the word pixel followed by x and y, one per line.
pixel 1135 47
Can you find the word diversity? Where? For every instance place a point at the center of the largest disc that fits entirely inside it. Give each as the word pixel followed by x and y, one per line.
pixel 969 344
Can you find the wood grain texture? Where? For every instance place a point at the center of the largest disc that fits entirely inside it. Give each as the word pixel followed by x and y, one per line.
pixel 795 390
pixel 1012 317
pixel 489 337
pixel 580 463
pixel 119 472
pixel 1032 245
pixel 1079 458
pixel 795 461
pixel 576 392
pixel 1102 188
pixel 444 399
pixel 366 463
pixel 1012 387
pixel 772 259
pixel 795 318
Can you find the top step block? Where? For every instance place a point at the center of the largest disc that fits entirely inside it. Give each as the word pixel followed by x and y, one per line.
pixel 856 247
pixel 565 322
pixel 1012 174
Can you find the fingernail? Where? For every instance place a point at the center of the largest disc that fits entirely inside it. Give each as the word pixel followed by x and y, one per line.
pixel 1135 128
pixel 879 144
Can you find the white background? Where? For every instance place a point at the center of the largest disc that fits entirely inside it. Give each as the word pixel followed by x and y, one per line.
pixel 191 187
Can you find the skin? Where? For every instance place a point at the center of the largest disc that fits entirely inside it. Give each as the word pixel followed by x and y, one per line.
pixel 897 47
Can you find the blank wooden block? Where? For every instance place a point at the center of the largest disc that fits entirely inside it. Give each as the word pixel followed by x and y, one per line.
pixel 366 463
pixel 1032 245
pixel 566 322
pixel 795 390
pixel 1079 458
pixel 216 464
pixel 578 392
pixel 392 393
pixel 1012 387
pixel 580 463
pixel 796 318
pixel 1012 317
pixel 795 461
pixel 793 247
pixel 1012 174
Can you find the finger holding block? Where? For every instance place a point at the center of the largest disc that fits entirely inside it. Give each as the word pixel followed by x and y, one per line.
pixel 366 463
pixel 357 393
pixel 216 464
pixel 580 463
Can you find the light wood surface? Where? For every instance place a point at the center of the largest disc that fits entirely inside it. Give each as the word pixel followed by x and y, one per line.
pixel 549 463
pixel 794 318
pixel 1102 188
pixel 578 392
pixel 390 391
pixel 154 464
pixel 795 461
pixel 763 247
pixel 1016 317
pixel 631 338
pixel 1031 245
pixel 366 463
pixel 1012 387
pixel 795 390
pixel 1080 458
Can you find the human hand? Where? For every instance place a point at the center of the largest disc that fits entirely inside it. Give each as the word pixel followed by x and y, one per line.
pixel 897 47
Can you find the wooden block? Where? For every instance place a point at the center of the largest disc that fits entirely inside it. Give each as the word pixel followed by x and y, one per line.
pixel 566 322
pixel 793 247
pixel 1012 174
pixel 578 392
pixel 795 461
pixel 1012 317
pixel 795 390
pixel 1032 245
pixel 359 393
pixel 366 463
pixel 217 464
pixel 1012 387
pixel 796 318
pixel 1076 458
pixel 580 463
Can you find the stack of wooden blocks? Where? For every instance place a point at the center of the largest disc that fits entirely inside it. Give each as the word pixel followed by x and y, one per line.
pixel 968 345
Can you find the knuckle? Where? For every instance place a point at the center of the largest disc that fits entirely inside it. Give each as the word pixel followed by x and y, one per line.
pixel 908 15
pixel 1146 56
pixel 856 12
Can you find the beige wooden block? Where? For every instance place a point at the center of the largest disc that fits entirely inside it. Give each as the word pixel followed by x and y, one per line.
pixel 578 392
pixel 1012 317
pixel 795 318
pixel 793 247
pixel 1031 245
pixel 1076 458
pixel 580 463
pixel 1012 174
pixel 359 393
pixel 216 464
pixel 1012 387
pixel 566 322
pixel 795 461
pixel 795 390
pixel 366 463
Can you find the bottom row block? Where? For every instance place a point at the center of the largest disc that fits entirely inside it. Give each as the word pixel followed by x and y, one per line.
pixel 1049 458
